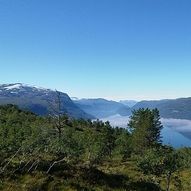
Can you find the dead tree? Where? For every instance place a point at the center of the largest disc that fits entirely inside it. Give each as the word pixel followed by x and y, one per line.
pixel 57 113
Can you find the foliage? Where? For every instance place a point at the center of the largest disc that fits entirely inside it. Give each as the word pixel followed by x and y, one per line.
pixel 145 128
pixel 61 153
pixel 162 161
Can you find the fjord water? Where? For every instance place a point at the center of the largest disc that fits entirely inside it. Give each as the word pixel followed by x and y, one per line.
pixel 174 138
pixel 176 132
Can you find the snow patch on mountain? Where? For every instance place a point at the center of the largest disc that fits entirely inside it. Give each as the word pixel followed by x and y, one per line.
pixel 15 86
pixel 19 86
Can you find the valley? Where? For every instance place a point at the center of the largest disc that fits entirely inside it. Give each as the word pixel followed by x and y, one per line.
pixel 176 114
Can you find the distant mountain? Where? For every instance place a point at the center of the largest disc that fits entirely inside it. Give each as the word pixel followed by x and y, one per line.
pixel 177 108
pixel 39 100
pixel 129 103
pixel 148 104
pixel 42 101
pixel 101 108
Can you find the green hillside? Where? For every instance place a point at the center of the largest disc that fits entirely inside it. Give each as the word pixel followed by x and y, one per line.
pixel 61 153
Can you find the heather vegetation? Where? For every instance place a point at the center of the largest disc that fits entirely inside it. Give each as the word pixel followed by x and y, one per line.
pixel 57 152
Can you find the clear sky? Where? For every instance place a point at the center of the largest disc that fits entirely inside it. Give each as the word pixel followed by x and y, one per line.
pixel 116 49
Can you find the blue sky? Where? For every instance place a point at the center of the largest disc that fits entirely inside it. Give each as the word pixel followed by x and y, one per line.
pixel 116 49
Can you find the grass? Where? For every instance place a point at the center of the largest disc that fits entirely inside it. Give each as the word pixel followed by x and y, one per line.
pixel 113 175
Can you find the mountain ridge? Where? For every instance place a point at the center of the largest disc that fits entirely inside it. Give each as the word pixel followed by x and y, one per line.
pixel 38 100
pixel 101 108
pixel 179 108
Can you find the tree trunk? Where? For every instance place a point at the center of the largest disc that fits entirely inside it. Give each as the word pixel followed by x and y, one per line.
pixel 168 181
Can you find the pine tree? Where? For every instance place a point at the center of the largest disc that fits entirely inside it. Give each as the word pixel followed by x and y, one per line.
pixel 145 128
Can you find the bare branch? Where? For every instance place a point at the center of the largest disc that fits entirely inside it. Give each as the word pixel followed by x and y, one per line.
pixel 54 163
pixel 5 166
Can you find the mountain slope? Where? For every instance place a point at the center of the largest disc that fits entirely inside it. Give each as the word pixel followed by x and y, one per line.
pixel 101 108
pixel 129 103
pixel 39 100
pixel 177 108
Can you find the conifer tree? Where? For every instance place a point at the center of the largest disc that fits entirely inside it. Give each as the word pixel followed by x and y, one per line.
pixel 145 128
